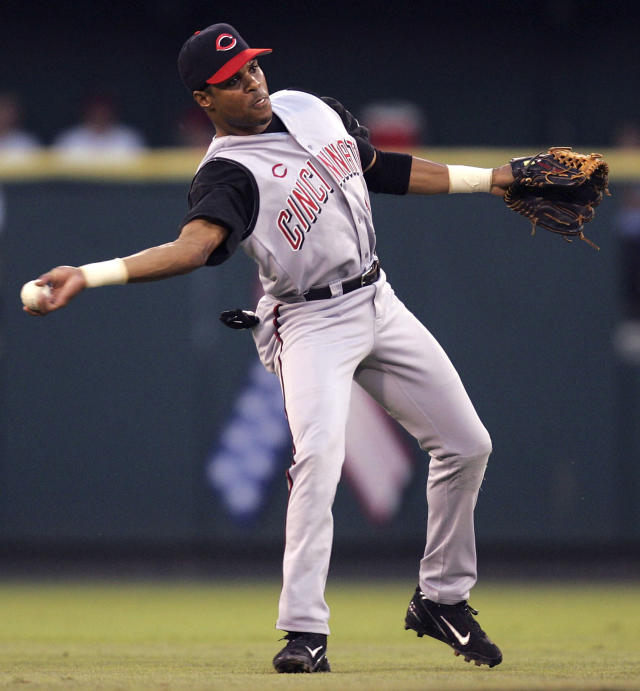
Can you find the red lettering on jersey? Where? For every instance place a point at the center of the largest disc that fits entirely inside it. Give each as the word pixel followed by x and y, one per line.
pixel 317 172
pixel 305 202
pixel 331 151
pixel 304 179
pixel 346 153
pixel 304 224
pixel 353 147
pixel 293 236
pixel 326 161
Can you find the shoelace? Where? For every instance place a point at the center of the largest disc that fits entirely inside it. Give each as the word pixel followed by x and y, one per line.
pixel 474 624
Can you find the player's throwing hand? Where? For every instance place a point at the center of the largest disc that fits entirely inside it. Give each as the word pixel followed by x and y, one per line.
pixel 65 282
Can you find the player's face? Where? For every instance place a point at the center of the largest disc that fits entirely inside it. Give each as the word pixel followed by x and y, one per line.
pixel 241 104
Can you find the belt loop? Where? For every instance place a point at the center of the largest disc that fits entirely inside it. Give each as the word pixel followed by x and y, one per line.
pixel 336 289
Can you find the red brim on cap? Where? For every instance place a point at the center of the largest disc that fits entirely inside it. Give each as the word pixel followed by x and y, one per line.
pixel 236 62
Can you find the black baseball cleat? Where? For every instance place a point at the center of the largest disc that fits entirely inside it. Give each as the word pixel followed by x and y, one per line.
pixel 305 652
pixel 453 625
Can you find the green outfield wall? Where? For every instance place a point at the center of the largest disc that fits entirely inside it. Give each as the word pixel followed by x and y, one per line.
pixel 112 408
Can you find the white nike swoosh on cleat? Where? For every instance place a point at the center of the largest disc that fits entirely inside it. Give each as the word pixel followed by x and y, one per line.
pixel 463 640
pixel 313 652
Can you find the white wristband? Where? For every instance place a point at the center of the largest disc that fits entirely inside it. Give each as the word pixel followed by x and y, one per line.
pixel 111 272
pixel 469 179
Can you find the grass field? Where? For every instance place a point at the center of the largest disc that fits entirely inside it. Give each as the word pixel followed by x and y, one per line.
pixel 221 636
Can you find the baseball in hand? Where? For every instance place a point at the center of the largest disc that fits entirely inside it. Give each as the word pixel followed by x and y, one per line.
pixel 31 294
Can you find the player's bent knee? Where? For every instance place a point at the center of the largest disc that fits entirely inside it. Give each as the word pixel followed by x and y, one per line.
pixel 476 446
pixel 479 445
pixel 483 445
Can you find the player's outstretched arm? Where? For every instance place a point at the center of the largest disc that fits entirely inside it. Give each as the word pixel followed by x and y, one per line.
pixel 197 240
pixel 428 177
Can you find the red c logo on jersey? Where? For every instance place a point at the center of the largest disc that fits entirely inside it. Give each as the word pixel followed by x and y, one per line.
pixel 279 175
pixel 227 46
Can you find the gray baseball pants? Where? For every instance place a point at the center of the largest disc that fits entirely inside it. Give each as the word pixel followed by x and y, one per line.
pixel 317 349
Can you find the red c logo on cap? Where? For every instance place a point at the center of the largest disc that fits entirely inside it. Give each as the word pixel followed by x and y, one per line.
pixel 228 46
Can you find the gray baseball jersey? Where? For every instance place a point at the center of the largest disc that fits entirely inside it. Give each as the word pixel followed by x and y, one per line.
pixel 310 187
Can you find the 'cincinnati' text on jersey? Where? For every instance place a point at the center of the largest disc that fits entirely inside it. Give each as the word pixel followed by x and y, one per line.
pixel 312 189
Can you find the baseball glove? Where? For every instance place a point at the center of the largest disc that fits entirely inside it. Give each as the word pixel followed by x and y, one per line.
pixel 558 190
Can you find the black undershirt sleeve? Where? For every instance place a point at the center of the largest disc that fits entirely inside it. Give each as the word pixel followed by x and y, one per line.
pixel 390 173
pixel 223 193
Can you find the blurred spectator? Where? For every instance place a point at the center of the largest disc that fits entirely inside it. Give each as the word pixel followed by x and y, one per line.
pixel 14 140
pixel 627 135
pixel 99 134
pixel 394 124
pixel 194 129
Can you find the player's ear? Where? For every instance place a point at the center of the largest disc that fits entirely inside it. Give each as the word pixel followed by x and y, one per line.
pixel 204 99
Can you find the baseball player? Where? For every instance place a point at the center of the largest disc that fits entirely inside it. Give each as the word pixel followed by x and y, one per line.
pixel 287 177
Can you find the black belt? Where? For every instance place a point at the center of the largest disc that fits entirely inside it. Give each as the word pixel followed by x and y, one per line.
pixel 371 275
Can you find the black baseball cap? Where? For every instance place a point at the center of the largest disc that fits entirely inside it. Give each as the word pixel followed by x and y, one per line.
pixel 213 55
